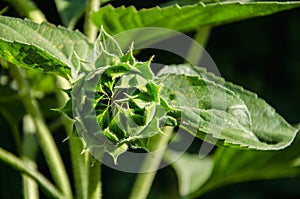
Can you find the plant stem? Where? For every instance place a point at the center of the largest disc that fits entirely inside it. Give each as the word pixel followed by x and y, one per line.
pixel 30 149
pixel 94 173
pixel 30 188
pixel 144 181
pixel 79 167
pixel 75 144
pixel 195 54
pixel 45 138
pixel 89 29
pixel 27 8
pixel 20 166
pixel 93 166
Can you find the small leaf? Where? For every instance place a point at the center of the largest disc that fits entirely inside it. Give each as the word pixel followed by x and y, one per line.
pixel 106 49
pixel 185 18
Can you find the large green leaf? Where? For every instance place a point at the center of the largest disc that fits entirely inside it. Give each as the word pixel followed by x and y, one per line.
pixel 267 125
pixel 233 166
pixel 70 11
pixel 227 166
pixel 185 18
pixel 41 46
pixel 222 113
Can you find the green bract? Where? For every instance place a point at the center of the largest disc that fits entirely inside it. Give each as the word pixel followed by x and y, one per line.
pixel 125 102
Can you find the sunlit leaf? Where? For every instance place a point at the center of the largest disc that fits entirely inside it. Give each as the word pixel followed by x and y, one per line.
pixel 43 47
pixel 223 113
pixel 185 18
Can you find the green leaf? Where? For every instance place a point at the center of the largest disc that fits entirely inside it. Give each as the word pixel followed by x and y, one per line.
pixel 183 3
pixel 70 11
pixel 44 47
pixel 297 126
pixel 191 170
pixel 222 113
pixel 185 18
pixel 267 125
pixel 234 166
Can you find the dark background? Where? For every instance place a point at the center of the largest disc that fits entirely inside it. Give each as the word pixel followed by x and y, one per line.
pixel 261 54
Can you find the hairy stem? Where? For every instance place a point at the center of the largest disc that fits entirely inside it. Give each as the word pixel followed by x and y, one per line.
pixel 144 181
pixel 19 165
pixel 79 167
pixel 93 166
pixel 75 144
pixel 94 173
pixel 27 8
pixel 90 30
pixel 45 138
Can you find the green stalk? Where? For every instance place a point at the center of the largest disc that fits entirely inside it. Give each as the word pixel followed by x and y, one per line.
pixel 27 151
pixel 94 175
pixel 144 181
pixel 30 149
pixel 89 29
pixel 45 138
pixel 79 168
pixel 195 54
pixel 19 165
pixel 75 145
pixel 30 188
pixel 93 166
pixel 27 8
